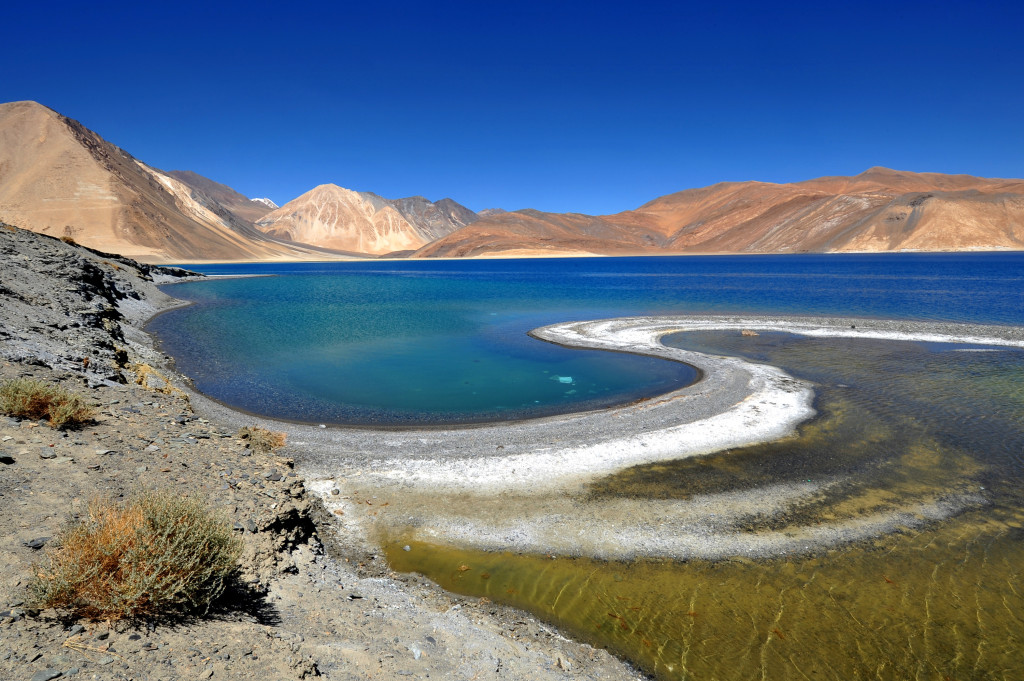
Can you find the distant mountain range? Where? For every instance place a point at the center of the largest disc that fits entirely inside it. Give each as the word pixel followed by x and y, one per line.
pixel 876 211
pixel 334 217
pixel 59 178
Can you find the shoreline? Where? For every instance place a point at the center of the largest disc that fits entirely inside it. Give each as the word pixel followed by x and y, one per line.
pixel 572 255
pixel 308 603
pixel 455 486
pixel 337 610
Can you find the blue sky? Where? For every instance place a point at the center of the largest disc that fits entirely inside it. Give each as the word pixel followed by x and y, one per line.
pixel 560 106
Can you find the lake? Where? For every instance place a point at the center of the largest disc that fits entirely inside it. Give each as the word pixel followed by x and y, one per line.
pixel 901 428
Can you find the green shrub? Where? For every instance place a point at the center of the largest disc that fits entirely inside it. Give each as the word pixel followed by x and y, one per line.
pixel 28 398
pixel 260 439
pixel 155 556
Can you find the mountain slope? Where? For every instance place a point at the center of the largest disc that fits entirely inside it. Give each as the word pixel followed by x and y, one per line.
pixel 59 178
pixel 333 217
pixel 878 210
pixel 240 206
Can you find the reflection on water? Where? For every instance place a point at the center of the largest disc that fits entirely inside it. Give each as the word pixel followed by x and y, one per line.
pixel 901 425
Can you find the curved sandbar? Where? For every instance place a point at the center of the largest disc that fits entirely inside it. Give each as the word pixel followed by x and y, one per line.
pixel 513 485
pixel 734 403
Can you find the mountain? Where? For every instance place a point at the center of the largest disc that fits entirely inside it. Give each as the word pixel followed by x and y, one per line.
pixel 238 205
pixel 878 210
pixel 59 178
pixel 334 217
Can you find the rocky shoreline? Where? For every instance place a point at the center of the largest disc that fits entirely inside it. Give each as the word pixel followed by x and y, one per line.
pixel 310 600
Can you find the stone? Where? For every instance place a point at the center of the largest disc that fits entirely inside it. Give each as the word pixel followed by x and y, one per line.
pixel 46 675
pixel 47 453
pixel 37 543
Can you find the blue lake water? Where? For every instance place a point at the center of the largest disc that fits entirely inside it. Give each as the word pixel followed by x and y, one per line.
pixel 898 424
pixel 417 342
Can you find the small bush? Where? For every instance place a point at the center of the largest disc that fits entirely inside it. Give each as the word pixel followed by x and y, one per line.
pixel 155 556
pixel 27 398
pixel 260 439
pixel 69 240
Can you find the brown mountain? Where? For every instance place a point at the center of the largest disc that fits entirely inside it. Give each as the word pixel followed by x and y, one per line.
pixel 334 217
pixel 59 178
pixel 223 196
pixel 878 210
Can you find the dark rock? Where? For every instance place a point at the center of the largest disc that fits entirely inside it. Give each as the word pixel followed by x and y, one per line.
pixel 37 543
pixel 46 675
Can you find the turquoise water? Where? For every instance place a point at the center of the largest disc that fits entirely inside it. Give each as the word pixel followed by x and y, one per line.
pixel 414 342
pixel 899 424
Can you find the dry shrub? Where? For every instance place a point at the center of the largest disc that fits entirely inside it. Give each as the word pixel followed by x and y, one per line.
pixel 155 556
pixel 28 398
pixel 69 240
pixel 261 440
pixel 151 379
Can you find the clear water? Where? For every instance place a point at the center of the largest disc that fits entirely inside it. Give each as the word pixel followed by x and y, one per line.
pixel 414 342
pixel 898 424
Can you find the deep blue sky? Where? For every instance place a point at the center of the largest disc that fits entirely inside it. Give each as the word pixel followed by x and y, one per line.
pixel 559 106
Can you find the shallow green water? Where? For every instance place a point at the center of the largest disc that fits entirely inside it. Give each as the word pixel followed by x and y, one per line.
pixel 902 427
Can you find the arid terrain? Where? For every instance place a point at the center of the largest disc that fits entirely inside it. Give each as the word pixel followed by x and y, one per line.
pixel 880 210
pixel 361 222
pixel 311 598
pixel 59 178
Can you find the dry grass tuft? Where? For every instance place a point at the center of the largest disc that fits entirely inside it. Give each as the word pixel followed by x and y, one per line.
pixel 69 240
pixel 27 398
pixel 261 440
pixel 151 379
pixel 155 556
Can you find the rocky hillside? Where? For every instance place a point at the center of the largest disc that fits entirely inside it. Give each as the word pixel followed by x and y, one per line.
pixel 333 217
pixel 66 307
pixel 879 210
pixel 59 178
